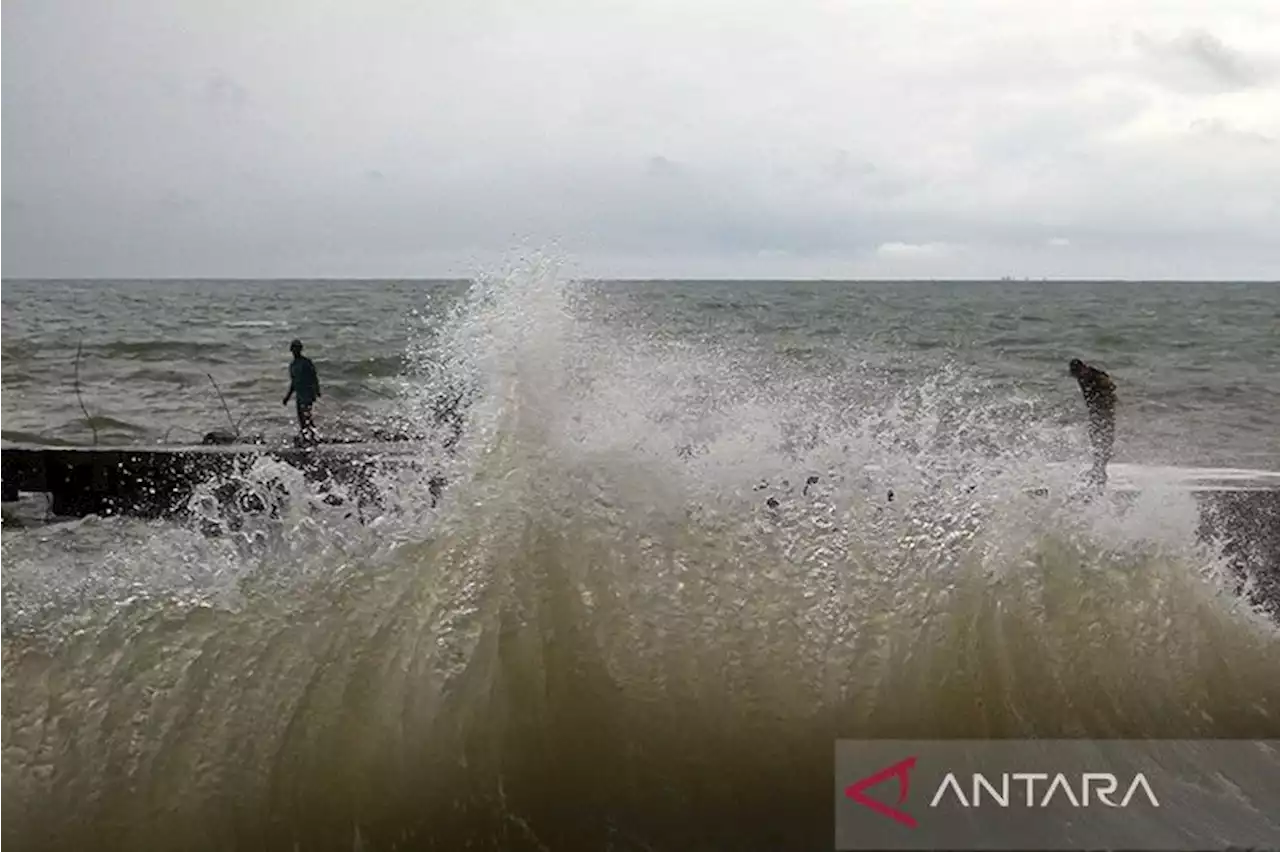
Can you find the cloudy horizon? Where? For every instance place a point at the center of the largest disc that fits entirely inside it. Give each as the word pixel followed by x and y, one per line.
pixel 751 139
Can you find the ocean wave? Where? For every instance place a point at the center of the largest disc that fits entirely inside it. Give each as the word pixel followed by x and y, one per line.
pixel 595 641
pixel 166 350
pixel 378 367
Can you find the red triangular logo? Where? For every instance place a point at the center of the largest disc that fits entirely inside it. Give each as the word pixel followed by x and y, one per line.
pixel 901 770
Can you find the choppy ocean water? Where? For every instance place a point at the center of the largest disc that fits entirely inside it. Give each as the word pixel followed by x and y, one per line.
pixel 603 637
pixel 1198 364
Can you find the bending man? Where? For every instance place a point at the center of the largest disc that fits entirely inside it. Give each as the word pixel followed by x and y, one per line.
pixel 1100 398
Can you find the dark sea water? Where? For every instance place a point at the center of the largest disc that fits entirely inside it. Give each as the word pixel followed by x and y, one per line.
pixel 604 637
pixel 1198 364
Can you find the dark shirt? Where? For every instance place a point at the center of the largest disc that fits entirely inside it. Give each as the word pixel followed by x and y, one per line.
pixel 1099 391
pixel 304 383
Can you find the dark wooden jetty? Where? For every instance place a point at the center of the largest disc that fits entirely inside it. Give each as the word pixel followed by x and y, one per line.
pixel 157 481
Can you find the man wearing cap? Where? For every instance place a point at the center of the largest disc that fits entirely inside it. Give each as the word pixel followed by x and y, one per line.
pixel 304 386
pixel 1100 399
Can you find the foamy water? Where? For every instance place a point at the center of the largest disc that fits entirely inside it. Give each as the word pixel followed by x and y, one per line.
pixel 606 636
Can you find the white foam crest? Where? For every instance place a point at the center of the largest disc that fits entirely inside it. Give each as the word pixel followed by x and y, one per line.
pixel 590 419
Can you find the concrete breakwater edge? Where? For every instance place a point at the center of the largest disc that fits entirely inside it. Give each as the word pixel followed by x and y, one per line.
pixel 157 481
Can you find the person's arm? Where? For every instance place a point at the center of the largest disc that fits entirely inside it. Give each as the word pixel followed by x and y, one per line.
pixel 315 379
pixel 290 393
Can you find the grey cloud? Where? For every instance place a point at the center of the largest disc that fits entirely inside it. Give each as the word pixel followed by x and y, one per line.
pixel 660 167
pixel 1212 63
pixel 178 139
pixel 222 91
pixel 179 202
pixel 1217 128
pixel 842 165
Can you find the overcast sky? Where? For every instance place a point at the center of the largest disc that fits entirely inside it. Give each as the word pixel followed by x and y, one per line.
pixel 866 138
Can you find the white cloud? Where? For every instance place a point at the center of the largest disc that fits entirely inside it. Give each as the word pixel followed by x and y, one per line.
pixel 752 137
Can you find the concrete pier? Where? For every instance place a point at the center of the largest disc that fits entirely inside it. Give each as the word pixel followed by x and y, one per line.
pixel 156 481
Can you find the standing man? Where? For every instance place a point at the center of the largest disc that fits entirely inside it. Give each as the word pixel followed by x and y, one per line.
pixel 1100 398
pixel 304 386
